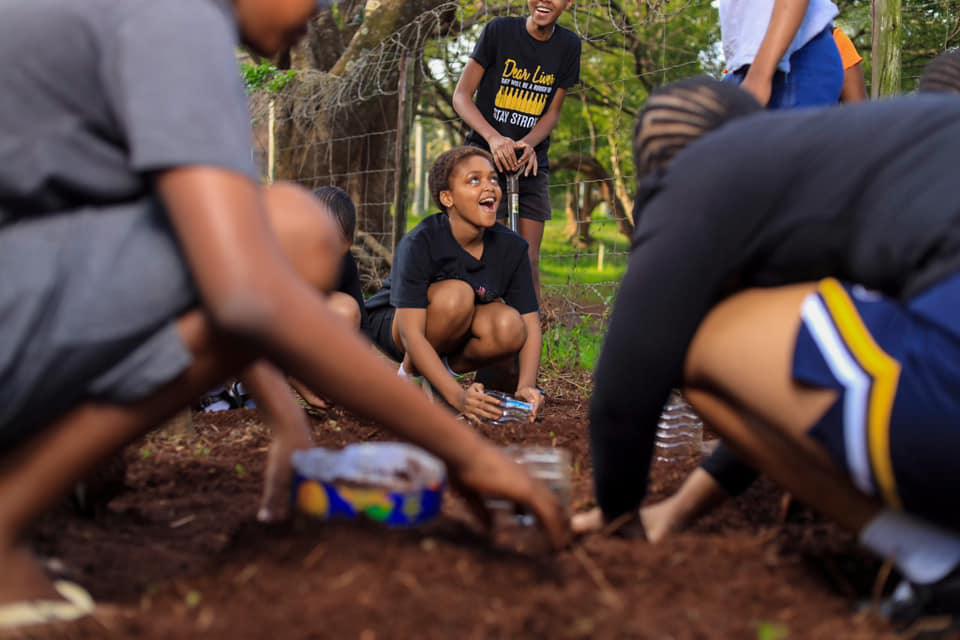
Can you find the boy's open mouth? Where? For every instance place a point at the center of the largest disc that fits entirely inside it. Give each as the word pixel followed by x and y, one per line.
pixel 488 204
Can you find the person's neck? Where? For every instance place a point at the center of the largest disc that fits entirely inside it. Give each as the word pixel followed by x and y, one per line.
pixel 467 235
pixel 540 33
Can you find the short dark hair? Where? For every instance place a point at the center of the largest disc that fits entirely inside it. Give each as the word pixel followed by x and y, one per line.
pixel 679 113
pixel 338 202
pixel 942 74
pixel 443 167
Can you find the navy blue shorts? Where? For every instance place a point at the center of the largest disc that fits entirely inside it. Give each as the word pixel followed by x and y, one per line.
pixel 895 427
pixel 379 329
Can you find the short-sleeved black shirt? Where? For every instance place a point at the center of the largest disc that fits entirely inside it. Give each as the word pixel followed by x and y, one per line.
pixel 522 75
pixel 864 193
pixel 430 254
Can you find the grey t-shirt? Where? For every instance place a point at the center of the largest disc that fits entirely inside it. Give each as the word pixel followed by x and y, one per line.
pixel 98 94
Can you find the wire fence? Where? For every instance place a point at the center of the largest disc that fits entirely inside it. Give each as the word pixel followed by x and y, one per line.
pixel 370 106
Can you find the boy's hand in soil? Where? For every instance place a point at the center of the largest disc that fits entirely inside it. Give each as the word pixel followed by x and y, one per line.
pixel 534 397
pixel 291 432
pixel 275 497
pixel 490 473
pixel 477 406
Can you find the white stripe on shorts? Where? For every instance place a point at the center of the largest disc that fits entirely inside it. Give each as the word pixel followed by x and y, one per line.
pixel 856 382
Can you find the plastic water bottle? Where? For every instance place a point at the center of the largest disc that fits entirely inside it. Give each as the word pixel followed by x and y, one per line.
pixel 680 430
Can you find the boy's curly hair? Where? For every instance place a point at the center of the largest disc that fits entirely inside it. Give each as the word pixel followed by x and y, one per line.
pixel 679 113
pixel 942 74
pixel 443 167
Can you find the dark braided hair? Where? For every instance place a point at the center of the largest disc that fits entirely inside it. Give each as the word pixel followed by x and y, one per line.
pixel 338 202
pixel 942 74
pixel 679 113
pixel 443 167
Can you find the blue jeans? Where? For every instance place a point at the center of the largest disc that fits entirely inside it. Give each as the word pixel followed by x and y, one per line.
pixel 815 78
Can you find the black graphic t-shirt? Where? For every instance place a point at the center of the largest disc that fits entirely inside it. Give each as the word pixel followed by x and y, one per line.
pixel 350 284
pixel 430 254
pixel 521 78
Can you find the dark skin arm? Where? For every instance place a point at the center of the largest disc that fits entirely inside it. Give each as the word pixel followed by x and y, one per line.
pixel 784 23
pixel 854 86
pixel 252 292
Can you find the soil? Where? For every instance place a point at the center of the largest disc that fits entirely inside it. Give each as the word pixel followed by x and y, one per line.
pixel 178 554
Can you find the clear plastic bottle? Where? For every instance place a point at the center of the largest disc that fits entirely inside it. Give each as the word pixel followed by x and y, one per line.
pixel 680 430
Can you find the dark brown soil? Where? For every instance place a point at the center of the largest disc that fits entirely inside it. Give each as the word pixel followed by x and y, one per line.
pixel 178 555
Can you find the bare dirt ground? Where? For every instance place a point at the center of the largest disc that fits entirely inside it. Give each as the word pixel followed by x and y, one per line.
pixel 178 555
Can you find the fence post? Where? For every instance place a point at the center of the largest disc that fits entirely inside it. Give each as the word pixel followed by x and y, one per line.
pixel 887 39
pixel 271 141
pixel 402 152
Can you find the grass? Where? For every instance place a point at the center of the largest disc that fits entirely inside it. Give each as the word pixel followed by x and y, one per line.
pixel 565 349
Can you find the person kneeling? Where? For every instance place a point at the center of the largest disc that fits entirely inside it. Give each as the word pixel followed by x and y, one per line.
pixel 460 294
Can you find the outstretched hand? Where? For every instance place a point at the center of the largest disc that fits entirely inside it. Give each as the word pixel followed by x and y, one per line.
pixel 492 474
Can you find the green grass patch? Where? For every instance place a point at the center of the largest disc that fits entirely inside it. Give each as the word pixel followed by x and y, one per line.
pixel 566 349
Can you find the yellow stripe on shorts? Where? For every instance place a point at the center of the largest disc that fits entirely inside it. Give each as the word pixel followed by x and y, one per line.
pixel 885 372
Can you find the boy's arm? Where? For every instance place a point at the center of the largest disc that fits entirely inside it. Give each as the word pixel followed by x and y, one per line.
pixel 251 291
pixel 501 147
pixel 291 432
pixel 540 132
pixel 530 363
pixel 785 21
pixel 412 324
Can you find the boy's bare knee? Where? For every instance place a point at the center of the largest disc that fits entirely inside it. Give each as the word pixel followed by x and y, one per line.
pixel 451 300
pixel 309 236
pixel 509 332
pixel 345 307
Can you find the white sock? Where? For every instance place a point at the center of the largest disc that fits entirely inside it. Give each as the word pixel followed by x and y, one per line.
pixel 922 551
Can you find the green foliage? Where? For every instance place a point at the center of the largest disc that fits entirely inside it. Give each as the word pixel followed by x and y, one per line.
pixel 772 631
pixel 566 349
pixel 265 77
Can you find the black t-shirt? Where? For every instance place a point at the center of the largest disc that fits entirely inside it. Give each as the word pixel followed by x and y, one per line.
pixel 350 285
pixel 864 193
pixel 430 254
pixel 521 78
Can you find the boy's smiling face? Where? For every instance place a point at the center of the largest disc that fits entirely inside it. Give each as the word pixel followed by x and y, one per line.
pixel 474 192
pixel 545 13
pixel 271 26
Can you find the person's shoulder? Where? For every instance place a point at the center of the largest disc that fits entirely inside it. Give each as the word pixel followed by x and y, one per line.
pixel 510 241
pixel 210 17
pixel 428 230
pixel 567 36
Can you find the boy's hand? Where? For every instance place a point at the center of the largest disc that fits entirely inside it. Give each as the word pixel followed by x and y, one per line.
pixel 504 153
pixel 477 406
pixel 275 498
pixel 532 395
pixel 759 86
pixel 490 473
pixel 527 163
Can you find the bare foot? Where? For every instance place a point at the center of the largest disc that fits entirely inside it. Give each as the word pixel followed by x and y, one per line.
pixel 587 522
pixel 659 520
pixel 23 578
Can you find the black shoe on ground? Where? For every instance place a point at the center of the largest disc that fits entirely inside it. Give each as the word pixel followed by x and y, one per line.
pixel 930 610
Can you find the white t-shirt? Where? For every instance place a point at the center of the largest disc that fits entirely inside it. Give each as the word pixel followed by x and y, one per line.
pixel 743 24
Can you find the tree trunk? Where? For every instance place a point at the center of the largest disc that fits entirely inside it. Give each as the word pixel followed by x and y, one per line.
pixel 339 126
pixel 887 40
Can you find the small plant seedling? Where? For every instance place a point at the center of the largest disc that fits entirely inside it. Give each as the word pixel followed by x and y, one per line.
pixel 240 470
pixel 145 453
pixel 192 599
pixel 772 631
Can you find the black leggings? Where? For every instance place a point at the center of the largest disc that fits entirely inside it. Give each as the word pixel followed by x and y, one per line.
pixel 733 476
